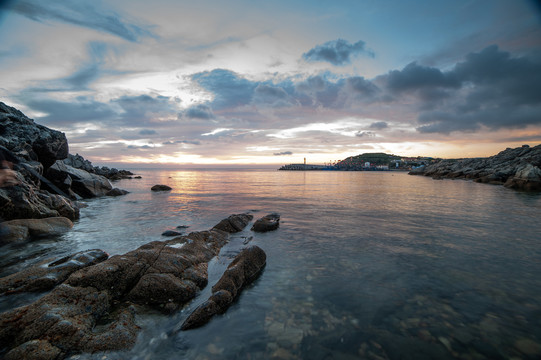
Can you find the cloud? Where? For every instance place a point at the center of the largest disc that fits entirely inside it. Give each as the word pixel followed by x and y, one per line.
pixel 84 14
pixel 147 132
pixel 496 91
pixel 379 125
pixel 145 110
pixel 337 52
pixel 199 111
pixel 365 134
pixel 138 147
pixel 188 142
pixel 229 89
pixel 414 77
pixel 283 153
pixel 62 114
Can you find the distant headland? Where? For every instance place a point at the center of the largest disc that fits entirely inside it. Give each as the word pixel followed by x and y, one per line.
pixel 368 162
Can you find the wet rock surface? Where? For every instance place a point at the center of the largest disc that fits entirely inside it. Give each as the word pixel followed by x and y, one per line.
pixel 20 230
pixel 47 274
pixel 91 310
pixel 242 271
pixel 518 168
pixel 268 222
pixel 44 159
pixel 159 187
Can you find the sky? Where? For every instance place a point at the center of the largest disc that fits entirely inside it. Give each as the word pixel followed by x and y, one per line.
pixel 208 82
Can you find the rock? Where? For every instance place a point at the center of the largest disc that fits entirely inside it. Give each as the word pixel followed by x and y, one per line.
pixel 23 229
pixel 116 192
pixel 34 349
pixel 267 223
pixel 47 274
pixel 518 168
pixel 170 233
pixel 161 274
pixel 243 270
pixel 78 162
pixel 528 347
pixel 527 177
pixel 26 200
pixel 83 183
pixel 234 223
pixel 23 136
pixel 161 188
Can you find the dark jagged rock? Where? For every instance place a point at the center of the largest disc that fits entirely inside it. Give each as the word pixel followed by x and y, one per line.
pixel 267 223
pixel 518 168
pixel 83 183
pixel 26 200
pixel 47 274
pixel 170 233
pixel 161 188
pixel 79 162
pixel 23 229
pixel 234 223
pixel 160 274
pixel 116 192
pixel 29 140
pixel 242 271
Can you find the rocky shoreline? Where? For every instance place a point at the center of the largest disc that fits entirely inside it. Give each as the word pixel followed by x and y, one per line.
pixel 50 180
pixel 518 168
pixel 90 300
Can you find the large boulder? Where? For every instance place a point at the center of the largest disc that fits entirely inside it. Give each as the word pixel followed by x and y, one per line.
pixel 24 229
pixel 234 223
pixel 24 137
pixel 83 183
pixel 268 222
pixel 27 200
pixel 160 274
pixel 242 271
pixel 526 178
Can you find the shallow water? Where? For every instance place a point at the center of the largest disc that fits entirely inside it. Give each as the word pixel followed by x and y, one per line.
pixel 364 265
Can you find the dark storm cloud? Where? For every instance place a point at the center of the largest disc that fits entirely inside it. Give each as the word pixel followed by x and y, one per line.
pixel 499 91
pixel 415 76
pixel 490 89
pixel 283 153
pixel 79 13
pixel 337 52
pixel 378 125
pixel 360 85
pixel 199 111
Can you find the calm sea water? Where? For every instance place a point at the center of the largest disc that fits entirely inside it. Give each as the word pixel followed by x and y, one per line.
pixel 371 265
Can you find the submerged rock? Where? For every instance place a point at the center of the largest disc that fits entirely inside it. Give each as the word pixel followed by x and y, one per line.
pixel 268 222
pixel 161 274
pixel 242 271
pixel 161 188
pixel 47 274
